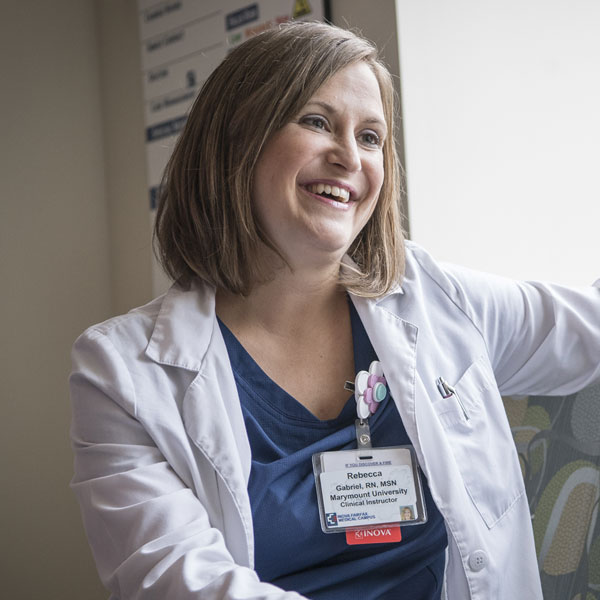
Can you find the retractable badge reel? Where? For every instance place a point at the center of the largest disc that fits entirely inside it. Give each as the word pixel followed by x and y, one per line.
pixel 369 492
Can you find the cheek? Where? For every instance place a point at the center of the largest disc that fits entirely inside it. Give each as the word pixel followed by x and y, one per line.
pixel 381 169
pixel 376 179
pixel 377 176
pixel 262 193
pixel 277 166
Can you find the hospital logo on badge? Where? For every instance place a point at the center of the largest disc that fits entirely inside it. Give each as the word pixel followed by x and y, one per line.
pixel 331 519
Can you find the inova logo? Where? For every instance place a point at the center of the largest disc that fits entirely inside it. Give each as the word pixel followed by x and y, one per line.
pixel 362 534
pixel 374 535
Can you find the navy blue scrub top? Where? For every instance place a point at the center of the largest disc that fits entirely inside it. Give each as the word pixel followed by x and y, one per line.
pixel 291 551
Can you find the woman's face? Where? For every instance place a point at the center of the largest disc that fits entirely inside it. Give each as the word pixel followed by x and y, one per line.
pixel 318 178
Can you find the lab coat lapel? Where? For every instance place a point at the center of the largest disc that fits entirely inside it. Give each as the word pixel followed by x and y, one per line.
pixel 395 343
pixel 187 335
pixel 213 416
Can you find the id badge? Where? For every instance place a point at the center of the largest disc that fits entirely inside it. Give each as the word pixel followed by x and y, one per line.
pixel 368 488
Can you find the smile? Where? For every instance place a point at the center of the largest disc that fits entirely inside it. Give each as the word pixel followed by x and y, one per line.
pixel 333 192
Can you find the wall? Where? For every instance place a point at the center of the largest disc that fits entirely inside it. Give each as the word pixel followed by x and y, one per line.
pixel 501 120
pixel 124 154
pixel 54 268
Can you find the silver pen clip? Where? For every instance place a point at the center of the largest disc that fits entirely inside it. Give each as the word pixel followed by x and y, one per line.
pixel 447 391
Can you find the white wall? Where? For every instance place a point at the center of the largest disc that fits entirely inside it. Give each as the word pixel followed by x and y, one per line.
pixel 54 268
pixel 502 133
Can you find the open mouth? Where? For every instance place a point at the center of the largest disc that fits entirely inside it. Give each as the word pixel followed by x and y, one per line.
pixel 333 192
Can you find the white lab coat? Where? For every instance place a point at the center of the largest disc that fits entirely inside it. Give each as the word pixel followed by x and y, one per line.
pixel 162 458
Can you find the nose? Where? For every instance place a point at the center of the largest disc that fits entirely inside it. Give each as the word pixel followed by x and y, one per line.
pixel 346 153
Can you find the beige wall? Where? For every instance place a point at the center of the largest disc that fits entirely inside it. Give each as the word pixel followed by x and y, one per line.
pixel 124 154
pixel 74 250
pixel 54 268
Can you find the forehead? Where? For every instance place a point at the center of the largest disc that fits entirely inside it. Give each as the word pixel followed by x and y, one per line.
pixel 354 87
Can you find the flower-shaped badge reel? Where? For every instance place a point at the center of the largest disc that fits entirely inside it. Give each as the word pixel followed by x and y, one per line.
pixel 370 389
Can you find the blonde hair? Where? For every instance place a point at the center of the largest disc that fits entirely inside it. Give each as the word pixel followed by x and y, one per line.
pixel 205 225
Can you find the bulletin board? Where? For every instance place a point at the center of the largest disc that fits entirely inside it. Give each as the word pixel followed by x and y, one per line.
pixel 181 42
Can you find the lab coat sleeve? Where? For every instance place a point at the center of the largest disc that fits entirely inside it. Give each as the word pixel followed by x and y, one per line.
pixel 150 535
pixel 542 339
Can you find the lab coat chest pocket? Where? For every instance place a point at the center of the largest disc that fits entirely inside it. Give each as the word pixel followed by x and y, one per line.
pixel 477 430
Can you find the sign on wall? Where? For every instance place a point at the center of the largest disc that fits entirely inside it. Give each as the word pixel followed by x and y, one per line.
pixel 182 41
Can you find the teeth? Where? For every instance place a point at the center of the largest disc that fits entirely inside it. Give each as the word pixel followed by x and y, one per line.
pixel 341 194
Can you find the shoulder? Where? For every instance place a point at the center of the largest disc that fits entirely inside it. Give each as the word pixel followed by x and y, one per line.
pixel 133 329
pixel 446 275
pixel 130 356
pixel 479 305
pixel 473 292
pixel 435 282
pixel 525 325
pixel 177 320
pixel 420 265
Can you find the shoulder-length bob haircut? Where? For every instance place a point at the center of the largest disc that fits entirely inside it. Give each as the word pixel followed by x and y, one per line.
pixel 205 226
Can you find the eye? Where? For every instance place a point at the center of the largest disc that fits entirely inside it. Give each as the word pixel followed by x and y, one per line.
pixel 315 121
pixel 371 138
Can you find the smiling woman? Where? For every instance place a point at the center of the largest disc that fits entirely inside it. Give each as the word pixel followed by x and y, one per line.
pixel 261 91
pixel 319 177
pixel 300 327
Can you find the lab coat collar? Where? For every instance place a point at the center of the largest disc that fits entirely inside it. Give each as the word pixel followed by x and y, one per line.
pixel 184 326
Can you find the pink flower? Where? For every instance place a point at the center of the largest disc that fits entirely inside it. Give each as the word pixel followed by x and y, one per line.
pixel 370 389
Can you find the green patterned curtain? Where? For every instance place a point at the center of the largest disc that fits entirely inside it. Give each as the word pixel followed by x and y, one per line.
pixel 558 441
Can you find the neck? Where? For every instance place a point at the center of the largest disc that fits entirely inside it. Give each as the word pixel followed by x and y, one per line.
pixel 297 329
pixel 287 303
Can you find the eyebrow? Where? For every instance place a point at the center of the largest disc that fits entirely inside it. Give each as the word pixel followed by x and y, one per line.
pixel 332 109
